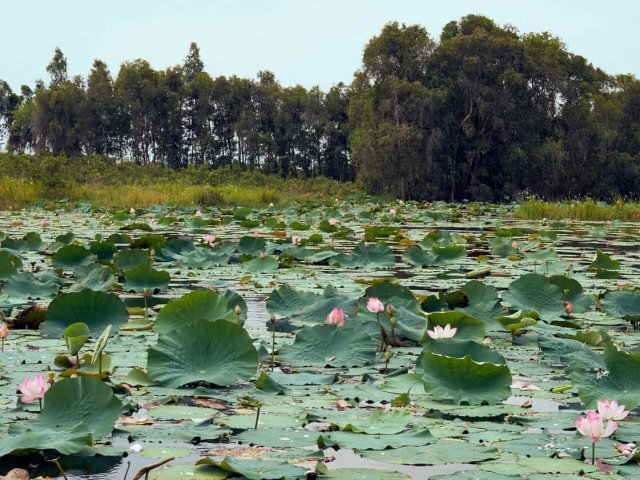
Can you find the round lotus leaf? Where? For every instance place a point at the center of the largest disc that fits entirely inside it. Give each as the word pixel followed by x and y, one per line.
pixel 96 309
pixel 130 258
pixel 9 264
pixel 251 245
pixel 218 352
pixel 622 303
pixel 145 277
pixel 29 286
pixel 71 256
pixel 81 399
pixel 197 305
pixel 329 345
pixel 465 380
pixel 534 292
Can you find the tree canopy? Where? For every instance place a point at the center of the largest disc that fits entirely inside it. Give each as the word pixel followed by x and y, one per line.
pixel 481 112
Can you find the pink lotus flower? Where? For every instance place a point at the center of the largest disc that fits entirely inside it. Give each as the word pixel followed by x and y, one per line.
pixel 439 332
pixel 132 211
pixel 374 305
pixel 527 387
pixel 392 211
pixel 296 239
pixel 198 213
pixel 209 238
pixel 514 245
pixel 4 330
pixel 593 427
pixel 569 308
pixel 336 317
pixel 4 333
pixel 610 410
pixel 33 389
pixel 44 223
pixel 626 449
pixel 333 221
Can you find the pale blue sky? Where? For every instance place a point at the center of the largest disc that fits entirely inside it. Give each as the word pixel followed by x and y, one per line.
pixel 301 41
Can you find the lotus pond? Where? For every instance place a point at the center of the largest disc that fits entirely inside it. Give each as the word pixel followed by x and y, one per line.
pixel 199 338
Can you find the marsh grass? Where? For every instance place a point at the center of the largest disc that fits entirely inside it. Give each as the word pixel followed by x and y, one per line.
pixel 29 179
pixel 590 210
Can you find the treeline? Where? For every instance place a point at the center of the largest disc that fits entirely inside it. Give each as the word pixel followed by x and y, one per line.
pixel 181 117
pixel 485 112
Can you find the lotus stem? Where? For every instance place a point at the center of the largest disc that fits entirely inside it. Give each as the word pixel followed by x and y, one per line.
pixel 2 348
pixel 593 453
pixel 273 344
pixel 40 404
pixel 100 366
pixel 255 427
pixel 56 462
pixel 144 471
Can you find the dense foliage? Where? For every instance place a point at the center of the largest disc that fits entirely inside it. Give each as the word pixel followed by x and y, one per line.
pixel 485 112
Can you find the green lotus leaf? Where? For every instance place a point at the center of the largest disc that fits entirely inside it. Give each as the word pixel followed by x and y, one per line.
pixel 441 452
pixel 465 380
pixel 573 292
pixel 403 438
pixel 203 257
pixel 130 258
pixel 458 348
pixel 250 245
pixel 265 264
pixel 519 320
pixel 483 302
pixel 194 306
pixel 307 307
pixel 329 345
pixel 259 469
pixel 72 256
pixel 10 263
pixel 96 309
pixel 76 412
pixel 75 337
pixel 622 303
pixel 145 277
pixel 468 327
pixel 435 256
pixel 25 286
pixel 502 247
pixel 103 250
pixel 604 262
pixel 620 379
pixel 534 292
pixel 217 352
pixel 570 352
pixel 31 242
pixel 378 255
pixel 95 277
pixel 363 474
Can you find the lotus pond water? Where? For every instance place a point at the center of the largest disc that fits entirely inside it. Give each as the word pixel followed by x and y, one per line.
pixel 199 337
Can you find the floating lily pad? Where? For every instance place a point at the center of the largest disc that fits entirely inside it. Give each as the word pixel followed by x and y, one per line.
pixel 217 352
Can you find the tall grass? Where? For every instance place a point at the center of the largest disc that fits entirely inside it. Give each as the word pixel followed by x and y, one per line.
pixel 534 209
pixel 26 179
pixel 18 192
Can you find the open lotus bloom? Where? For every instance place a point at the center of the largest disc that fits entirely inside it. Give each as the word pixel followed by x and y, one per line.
pixel 592 426
pixel 374 305
pixel 610 410
pixel 336 317
pixel 33 389
pixel 439 332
